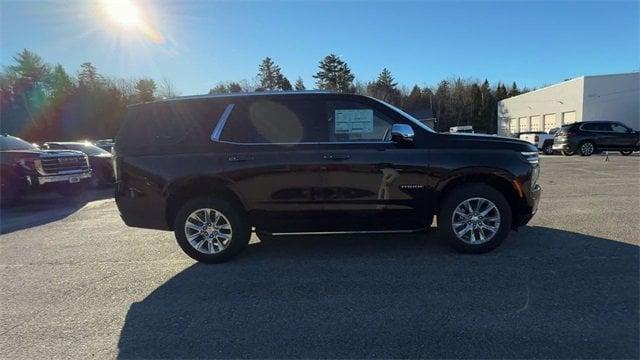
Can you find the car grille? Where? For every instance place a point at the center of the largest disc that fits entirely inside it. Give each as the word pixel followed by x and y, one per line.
pixel 64 164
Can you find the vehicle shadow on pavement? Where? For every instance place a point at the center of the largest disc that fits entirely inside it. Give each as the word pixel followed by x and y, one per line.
pixel 43 208
pixel 546 293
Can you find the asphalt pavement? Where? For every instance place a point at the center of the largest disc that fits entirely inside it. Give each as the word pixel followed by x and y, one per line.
pixel 77 283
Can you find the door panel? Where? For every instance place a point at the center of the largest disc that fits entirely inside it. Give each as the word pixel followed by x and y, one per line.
pixel 379 187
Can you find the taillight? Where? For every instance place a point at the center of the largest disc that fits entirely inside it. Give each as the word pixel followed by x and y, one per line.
pixel 536 138
pixel 570 133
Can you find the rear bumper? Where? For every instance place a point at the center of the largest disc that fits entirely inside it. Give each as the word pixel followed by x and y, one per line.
pixel 564 146
pixel 139 209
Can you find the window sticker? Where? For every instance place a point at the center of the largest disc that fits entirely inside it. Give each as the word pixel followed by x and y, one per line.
pixel 353 121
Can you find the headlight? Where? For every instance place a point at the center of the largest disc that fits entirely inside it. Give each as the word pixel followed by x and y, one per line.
pixel 531 156
pixel 30 164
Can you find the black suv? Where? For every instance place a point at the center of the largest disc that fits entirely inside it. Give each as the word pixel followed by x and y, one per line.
pixel 212 167
pixel 589 137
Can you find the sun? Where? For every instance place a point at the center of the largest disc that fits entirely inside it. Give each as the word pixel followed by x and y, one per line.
pixel 124 13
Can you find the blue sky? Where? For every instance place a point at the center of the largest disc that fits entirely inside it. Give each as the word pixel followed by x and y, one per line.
pixel 203 43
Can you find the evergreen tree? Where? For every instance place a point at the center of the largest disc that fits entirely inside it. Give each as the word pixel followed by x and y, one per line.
pixel 501 92
pixel 88 75
pixel 60 83
pixel 299 86
pixel 514 90
pixel 384 88
pixel 270 76
pixel 284 83
pixel 145 90
pixel 334 74
pixel 234 87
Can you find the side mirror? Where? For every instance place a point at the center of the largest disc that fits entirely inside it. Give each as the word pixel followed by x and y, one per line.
pixel 402 133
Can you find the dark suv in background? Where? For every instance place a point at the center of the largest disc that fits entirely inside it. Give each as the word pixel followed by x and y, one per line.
pixel 586 138
pixel 211 167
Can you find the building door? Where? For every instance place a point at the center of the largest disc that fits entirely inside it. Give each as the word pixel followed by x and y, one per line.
pixel 568 117
pixel 549 122
pixel 536 123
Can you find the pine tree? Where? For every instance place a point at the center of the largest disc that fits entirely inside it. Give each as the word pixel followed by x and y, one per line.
pixel 145 90
pixel 334 74
pixel 234 87
pixel 514 90
pixel 218 89
pixel 284 84
pixel 384 88
pixel 88 75
pixel 59 83
pixel 299 86
pixel 270 76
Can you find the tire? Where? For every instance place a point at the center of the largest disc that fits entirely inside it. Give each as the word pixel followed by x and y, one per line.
pixel 547 149
pixel 214 249
pixel 626 152
pixel 567 153
pixel 587 148
pixel 473 193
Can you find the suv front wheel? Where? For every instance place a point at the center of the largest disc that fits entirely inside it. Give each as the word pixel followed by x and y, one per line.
pixel 211 230
pixel 475 218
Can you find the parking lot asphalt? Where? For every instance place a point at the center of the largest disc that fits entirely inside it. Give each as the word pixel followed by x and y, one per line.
pixel 76 283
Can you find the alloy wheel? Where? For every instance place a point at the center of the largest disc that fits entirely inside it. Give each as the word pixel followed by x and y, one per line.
pixel 475 220
pixel 586 149
pixel 208 231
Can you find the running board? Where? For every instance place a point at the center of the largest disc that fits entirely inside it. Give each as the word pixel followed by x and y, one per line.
pixel 349 232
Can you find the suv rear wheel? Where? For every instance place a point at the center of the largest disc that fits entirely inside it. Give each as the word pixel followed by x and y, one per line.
pixel 211 230
pixel 626 152
pixel 475 218
pixel 587 148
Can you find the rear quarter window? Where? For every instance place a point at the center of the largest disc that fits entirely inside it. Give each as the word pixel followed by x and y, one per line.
pixel 171 126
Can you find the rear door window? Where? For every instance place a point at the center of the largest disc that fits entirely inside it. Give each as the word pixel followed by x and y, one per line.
pixel 272 120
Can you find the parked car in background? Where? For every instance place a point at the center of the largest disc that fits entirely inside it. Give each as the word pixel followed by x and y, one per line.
pixel 100 159
pixel 211 167
pixel 586 138
pixel 105 144
pixel 542 140
pixel 25 167
pixel 461 129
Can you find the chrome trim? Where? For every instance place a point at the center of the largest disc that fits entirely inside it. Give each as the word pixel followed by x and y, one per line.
pixel 306 143
pixel 215 135
pixel 58 178
pixel 349 232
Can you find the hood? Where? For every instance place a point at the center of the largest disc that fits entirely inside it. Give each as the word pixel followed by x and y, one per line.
pixel 484 141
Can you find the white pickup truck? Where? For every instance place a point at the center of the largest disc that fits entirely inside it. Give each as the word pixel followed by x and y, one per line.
pixel 541 139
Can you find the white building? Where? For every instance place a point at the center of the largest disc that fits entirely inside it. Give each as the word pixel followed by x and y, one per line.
pixel 603 97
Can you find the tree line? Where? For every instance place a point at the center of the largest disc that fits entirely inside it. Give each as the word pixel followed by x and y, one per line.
pixel 42 102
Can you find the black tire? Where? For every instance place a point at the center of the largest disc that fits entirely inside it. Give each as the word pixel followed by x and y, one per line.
pixel 587 148
pixel 626 152
pixel 567 153
pixel 547 149
pixel 241 232
pixel 469 191
pixel 264 236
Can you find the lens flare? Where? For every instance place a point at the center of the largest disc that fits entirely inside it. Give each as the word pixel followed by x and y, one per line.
pixel 127 16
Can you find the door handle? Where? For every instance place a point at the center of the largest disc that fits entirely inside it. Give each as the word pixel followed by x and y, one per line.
pixel 238 158
pixel 336 157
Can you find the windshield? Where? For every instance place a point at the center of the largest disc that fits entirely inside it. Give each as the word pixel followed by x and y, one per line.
pixel 88 149
pixel 14 143
pixel 409 117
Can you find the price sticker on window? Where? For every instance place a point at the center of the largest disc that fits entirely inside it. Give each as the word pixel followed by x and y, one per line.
pixel 353 121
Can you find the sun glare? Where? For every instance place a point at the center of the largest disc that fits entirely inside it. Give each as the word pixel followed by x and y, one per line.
pixel 123 12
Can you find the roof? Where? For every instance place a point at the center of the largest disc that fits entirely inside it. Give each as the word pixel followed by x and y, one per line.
pixel 239 94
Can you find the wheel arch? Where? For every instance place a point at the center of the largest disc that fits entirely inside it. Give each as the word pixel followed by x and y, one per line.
pixel 180 191
pixel 504 182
